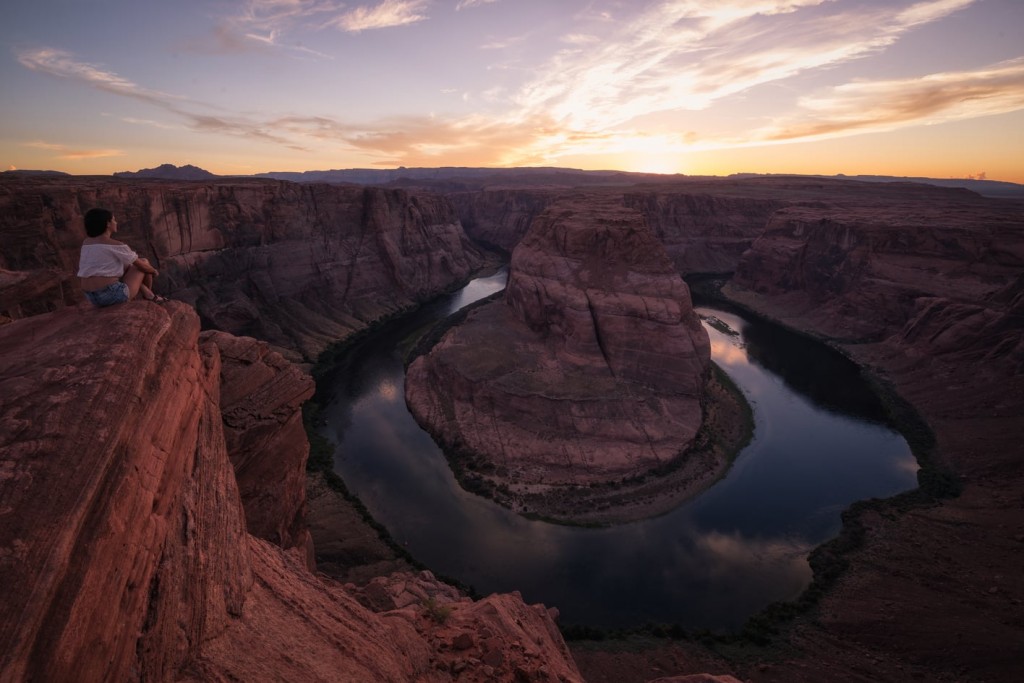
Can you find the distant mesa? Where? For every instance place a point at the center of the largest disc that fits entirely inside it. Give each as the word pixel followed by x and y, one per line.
pixel 17 172
pixel 169 172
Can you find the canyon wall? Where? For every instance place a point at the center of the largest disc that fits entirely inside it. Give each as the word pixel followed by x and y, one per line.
pixel 298 266
pixel 703 232
pixel 591 369
pixel 261 397
pixel 124 553
pixel 866 273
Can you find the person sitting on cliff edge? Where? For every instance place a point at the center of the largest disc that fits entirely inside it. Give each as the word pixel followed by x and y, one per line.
pixel 110 272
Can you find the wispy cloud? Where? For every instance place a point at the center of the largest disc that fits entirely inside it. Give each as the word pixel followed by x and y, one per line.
pixel 873 106
pixel 266 24
pixel 686 55
pixel 386 14
pixel 71 154
pixel 465 4
pixel 62 64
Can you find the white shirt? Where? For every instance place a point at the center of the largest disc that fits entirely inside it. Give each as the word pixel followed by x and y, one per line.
pixel 106 260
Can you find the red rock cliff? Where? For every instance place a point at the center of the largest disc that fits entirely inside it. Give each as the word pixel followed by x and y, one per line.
pixel 261 405
pixel 591 369
pixel 123 546
pixel 299 266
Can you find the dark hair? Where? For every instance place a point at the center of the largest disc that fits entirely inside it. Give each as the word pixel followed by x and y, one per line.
pixel 96 221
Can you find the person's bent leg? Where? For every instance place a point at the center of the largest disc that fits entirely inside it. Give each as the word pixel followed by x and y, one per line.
pixel 133 277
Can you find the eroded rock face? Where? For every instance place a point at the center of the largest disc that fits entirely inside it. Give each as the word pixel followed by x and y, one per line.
pixel 298 266
pixel 863 273
pixel 123 546
pixel 261 404
pixel 121 519
pixel 591 368
pixel 704 233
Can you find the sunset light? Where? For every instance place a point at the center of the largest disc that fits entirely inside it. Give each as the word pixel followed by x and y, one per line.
pixel 903 87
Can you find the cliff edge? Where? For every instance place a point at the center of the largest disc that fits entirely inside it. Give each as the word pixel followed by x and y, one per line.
pixel 124 553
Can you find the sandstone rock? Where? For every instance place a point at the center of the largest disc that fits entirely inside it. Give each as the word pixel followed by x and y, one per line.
pixel 123 546
pixel 857 273
pixel 298 266
pixel 261 404
pixel 702 232
pixel 501 218
pixel 120 514
pixel 590 370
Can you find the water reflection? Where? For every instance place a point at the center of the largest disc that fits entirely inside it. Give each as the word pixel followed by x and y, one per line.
pixel 710 563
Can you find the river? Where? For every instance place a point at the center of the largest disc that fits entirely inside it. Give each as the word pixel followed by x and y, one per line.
pixel 820 443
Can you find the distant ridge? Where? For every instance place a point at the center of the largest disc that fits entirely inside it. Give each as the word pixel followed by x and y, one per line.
pixel 997 189
pixel 169 172
pixel 20 172
pixel 456 178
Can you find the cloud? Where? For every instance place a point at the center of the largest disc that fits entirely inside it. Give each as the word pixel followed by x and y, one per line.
pixel 64 152
pixel 579 39
pixel 465 4
pixel 63 65
pixel 687 55
pixel 876 106
pixel 264 24
pixel 386 14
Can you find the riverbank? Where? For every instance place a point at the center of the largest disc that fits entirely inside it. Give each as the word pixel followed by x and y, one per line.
pixel 727 427
pixel 917 587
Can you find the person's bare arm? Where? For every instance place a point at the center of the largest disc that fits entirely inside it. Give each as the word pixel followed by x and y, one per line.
pixel 145 266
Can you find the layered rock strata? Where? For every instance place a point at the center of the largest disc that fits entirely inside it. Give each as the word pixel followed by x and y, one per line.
pixel 298 266
pixel 261 405
pixel 864 273
pixel 590 370
pixel 124 553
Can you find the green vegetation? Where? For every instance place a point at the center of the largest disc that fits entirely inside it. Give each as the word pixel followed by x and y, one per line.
pixel 436 611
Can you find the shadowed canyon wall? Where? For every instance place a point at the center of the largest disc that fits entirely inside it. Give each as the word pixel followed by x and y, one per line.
pixel 298 266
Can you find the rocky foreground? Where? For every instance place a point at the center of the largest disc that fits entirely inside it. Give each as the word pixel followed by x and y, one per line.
pixel 124 550
pixel 591 370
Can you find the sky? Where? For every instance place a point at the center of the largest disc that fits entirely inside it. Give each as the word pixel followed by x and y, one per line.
pixel 930 88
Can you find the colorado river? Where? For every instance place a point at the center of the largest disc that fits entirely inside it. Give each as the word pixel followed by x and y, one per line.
pixel 820 443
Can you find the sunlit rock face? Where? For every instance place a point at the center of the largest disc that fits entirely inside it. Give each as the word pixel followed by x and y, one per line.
pixel 591 368
pixel 298 266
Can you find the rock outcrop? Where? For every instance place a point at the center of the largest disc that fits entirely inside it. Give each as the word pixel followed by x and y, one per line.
pixel 298 266
pixel 590 370
pixel 261 404
pixel 124 553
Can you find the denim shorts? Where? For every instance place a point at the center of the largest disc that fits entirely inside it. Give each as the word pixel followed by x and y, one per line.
pixel 114 293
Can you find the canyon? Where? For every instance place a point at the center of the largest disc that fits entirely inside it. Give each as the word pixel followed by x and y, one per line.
pixel 152 537
pixel 592 368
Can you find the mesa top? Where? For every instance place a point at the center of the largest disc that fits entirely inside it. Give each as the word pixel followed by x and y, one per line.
pixel 105 260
